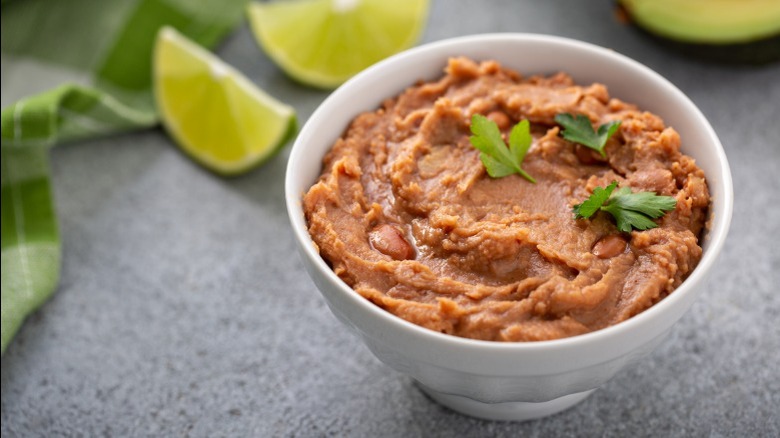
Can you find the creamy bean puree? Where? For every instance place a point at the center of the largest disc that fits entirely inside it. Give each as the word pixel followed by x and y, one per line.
pixel 406 214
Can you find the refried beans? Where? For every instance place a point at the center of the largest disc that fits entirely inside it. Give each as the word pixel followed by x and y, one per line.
pixel 405 213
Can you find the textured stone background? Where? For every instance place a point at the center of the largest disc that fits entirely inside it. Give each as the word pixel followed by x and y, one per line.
pixel 184 310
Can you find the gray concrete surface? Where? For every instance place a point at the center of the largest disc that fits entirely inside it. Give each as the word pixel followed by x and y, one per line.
pixel 183 308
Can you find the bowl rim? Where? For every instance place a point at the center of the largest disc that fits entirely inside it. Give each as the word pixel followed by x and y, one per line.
pixel 716 235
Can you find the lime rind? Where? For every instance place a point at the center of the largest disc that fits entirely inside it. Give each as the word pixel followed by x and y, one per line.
pixel 217 96
pixel 322 47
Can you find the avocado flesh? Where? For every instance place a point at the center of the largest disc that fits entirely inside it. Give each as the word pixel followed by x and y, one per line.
pixel 707 21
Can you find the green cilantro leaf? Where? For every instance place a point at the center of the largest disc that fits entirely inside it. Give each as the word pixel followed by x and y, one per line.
pixel 594 202
pixel 647 203
pixel 579 130
pixel 627 219
pixel 499 160
pixel 630 210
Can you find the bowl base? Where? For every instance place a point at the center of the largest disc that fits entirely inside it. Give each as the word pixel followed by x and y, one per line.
pixel 508 411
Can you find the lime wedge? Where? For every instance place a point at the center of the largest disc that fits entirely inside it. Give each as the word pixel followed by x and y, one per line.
pixel 323 43
pixel 214 113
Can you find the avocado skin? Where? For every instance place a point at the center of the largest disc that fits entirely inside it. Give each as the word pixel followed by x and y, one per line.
pixel 757 52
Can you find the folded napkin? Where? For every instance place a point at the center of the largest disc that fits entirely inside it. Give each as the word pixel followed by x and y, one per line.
pixel 103 50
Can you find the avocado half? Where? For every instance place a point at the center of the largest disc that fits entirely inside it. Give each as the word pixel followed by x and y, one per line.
pixel 733 31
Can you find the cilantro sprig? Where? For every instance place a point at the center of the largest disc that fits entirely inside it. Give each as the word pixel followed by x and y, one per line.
pixel 630 210
pixel 579 130
pixel 499 160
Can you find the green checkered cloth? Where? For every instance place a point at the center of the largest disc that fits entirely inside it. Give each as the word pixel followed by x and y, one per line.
pixel 94 56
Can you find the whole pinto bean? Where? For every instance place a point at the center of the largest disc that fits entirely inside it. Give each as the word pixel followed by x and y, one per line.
pixel 609 246
pixel 388 240
pixel 501 119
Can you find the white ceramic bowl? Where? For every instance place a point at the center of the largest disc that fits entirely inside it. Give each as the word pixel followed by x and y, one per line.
pixel 511 381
